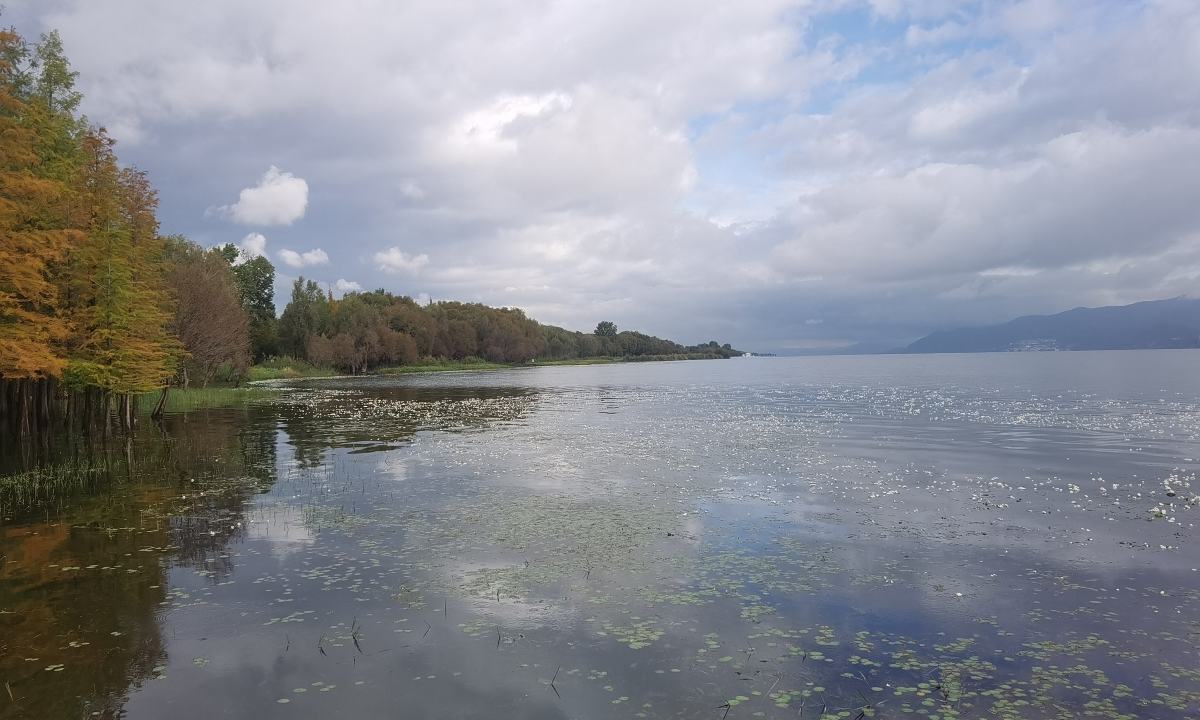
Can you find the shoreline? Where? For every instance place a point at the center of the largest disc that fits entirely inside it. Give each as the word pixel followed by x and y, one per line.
pixel 262 388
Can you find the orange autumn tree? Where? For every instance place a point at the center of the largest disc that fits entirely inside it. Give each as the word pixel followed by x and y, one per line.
pixel 30 326
pixel 83 292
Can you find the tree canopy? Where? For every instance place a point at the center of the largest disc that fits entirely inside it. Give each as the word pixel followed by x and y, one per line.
pixel 370 329
pixel 606 329
pixel 83 283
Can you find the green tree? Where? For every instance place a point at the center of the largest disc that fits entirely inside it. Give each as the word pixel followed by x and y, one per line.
pixel 53 103
pixel 122 304
pixel 606 329
pixel 256 285
pixel 306 316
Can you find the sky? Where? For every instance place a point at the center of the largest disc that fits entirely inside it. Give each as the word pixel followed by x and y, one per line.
pixel 779 175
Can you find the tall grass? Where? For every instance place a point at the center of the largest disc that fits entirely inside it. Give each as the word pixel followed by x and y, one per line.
pixel 46 484
pixel 286 368
pixel 581 361
pixel 197 398
pixel 441 366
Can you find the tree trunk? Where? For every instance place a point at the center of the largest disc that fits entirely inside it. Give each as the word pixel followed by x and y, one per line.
pixel 55 401
pixel 107 405
pixel 5 408
pixel 185 380
pixel 14 406
pixel 25 409
pixel 46 402
pixel 85 417
pixel 161 406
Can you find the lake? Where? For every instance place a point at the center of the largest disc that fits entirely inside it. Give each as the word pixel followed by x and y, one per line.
pixel 940 536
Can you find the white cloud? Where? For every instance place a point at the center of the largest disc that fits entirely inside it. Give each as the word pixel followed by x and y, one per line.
pixel 280 198
pixel 254 245
pixel 1100 192
pixel 394 260
pixel 345 286
pixel 298 260
pixel 964 161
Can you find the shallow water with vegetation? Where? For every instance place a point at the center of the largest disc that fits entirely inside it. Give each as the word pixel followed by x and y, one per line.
pixel 976 536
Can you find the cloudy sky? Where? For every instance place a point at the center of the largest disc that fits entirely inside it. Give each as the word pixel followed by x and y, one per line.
pixel 776 174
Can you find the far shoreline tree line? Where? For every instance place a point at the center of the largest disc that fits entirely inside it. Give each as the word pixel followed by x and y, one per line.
pixel 97 308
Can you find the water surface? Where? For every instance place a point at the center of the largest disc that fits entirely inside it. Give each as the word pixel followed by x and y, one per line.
pixel 946 536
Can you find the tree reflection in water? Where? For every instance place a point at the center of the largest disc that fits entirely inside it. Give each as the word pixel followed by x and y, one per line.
pixel 91 531
pixel 85 561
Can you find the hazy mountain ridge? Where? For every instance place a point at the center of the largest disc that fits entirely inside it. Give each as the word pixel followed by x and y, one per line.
pixel 1173 323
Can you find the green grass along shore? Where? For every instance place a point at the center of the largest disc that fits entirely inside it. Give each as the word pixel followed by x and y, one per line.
pixel 223 394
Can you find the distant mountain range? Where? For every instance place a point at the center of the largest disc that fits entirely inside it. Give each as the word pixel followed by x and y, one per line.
pixel 1173 323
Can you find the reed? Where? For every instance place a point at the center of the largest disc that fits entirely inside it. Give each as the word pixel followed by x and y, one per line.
pixel 198 398
pixel 48 485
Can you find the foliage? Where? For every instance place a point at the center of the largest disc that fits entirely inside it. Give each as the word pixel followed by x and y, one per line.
pixel 210 319
pixel 83 292
pixel 306 315
pixel 120 304
pixel 256 284
pixel 30 326
pixel 368 330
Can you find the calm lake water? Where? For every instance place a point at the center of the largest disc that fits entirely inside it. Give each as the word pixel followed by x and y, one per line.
pixel 954 536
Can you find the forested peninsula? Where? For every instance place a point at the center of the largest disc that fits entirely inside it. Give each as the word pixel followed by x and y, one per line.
pixel 97 308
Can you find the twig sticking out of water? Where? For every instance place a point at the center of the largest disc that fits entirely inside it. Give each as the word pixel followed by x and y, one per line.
pixel 866 706
pixel 428 627
pixel 355 633
pixel 551 685
pixel 726 706
pixel 778 676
